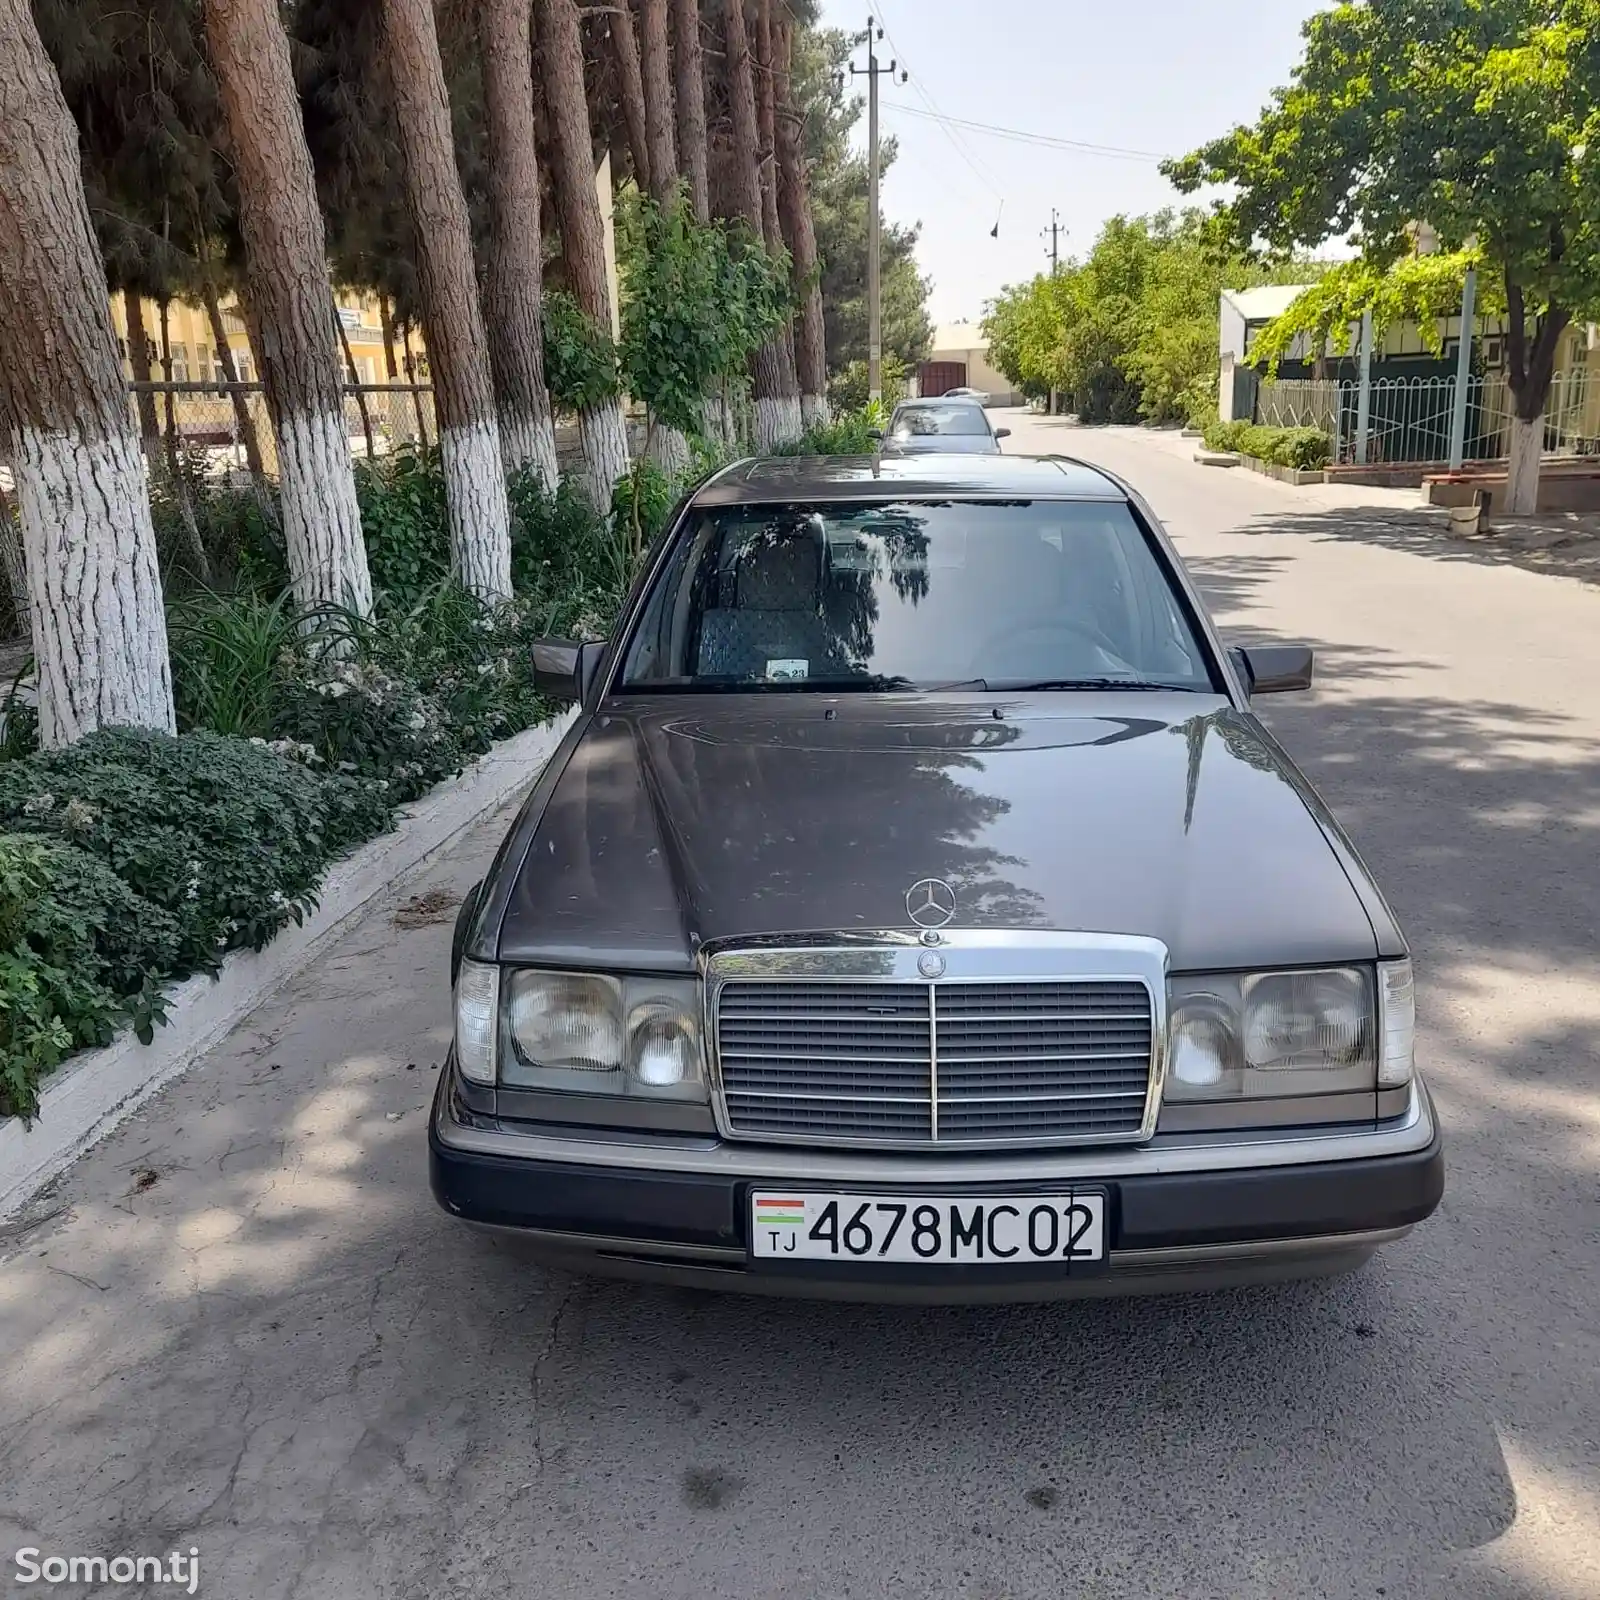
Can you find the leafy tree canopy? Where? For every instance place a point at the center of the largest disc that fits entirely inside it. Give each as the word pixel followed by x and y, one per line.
pixel 1425 289
pixel 1478 117
pixel 1131 331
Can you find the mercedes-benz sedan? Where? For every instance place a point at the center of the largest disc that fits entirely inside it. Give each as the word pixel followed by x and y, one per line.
pixel 916 908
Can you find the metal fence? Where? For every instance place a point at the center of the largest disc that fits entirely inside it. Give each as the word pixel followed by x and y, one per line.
pixel 1409 418
pixel 216 424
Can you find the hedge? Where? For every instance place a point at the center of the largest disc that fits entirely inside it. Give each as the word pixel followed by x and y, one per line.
pixel 1305 449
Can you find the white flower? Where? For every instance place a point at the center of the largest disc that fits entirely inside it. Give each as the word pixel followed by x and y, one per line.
pixel 40 805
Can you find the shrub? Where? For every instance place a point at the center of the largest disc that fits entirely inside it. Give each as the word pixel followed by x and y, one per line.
pixel 227 653
pixel 1305 449
pixel 403 521
pixel 223 833
pixel 80 954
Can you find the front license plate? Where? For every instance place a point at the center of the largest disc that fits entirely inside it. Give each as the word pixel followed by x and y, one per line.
pixel 989 1230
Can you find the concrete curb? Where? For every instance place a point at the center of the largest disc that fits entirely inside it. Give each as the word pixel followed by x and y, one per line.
pixel 96 1091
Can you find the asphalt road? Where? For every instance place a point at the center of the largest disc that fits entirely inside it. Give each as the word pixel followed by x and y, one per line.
pixel 241 1326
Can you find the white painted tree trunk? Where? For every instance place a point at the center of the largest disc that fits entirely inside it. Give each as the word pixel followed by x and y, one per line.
pixel 529 441
pixel 814 410
pixel 99 627
pixel 778 421
pixel 603 440
pixel 669 449
pixel 475 493
pixel 1522 479
pixel 321 517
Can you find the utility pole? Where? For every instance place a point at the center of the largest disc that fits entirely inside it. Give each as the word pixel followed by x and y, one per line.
pixel 1054 231
pixel 871 72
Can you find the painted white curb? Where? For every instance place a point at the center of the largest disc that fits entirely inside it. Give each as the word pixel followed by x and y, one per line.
pixel 82 1103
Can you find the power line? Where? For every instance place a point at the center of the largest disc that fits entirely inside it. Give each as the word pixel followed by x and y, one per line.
pixel 1021 136
pixel 958 144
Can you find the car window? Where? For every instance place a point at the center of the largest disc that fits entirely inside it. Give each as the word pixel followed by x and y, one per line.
pixel 912 595
pixel 911 422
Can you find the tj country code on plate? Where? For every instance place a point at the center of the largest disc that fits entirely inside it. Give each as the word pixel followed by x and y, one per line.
pixel 791 1225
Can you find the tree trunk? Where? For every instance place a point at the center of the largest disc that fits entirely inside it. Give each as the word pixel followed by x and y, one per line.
pixel 656 58
pixel 287 290
pixel 791 423
pixel 416 388
pixel 514 279
pixel 352 376
pixel 139 362
pixel 689 82
pixel 99 626
pixel 463 390
pixel 1530 368
pixel 630 82
pixel 195 558
pixel 244 424
pixel 794 197
pixel 11 559
pixel 602 434
pixel 777 404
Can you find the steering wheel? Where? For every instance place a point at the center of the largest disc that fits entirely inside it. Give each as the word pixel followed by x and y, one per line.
pixel 1005 643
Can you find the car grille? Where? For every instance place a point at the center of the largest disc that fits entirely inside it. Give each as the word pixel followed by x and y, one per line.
pixel 826 1061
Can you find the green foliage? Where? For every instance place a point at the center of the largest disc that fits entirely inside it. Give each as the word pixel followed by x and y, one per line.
pixel 848 388
pixel 562 554
pixel 1305 449
pixel 580 361
pixel 227 836
pixel 403 521
pixel 1480 119
pixel 80 955
pixel 850 433
pixel 697 300
pixel 226 656
pixel 1130 332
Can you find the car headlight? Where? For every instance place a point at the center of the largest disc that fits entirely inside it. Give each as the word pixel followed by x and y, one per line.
pixel 1277 1034
pixel 588 1033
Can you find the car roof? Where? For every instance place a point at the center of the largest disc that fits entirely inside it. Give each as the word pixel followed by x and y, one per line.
pixel 772 479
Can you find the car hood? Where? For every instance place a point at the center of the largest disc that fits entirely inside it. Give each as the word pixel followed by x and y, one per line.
pixel 686 819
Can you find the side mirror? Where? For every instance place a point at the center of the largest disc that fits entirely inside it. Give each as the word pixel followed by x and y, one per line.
pixel 1002 433
pixel 875 434
pixel 1274 668
pixel 563 669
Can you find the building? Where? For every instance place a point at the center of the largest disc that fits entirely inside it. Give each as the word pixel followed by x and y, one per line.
pixel 194 357
pixel 959 359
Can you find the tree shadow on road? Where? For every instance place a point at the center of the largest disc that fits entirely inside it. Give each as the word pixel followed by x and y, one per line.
pixel 1555 545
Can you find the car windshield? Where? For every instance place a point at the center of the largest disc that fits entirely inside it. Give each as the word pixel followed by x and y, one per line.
pixel 915 595
pixel 918 422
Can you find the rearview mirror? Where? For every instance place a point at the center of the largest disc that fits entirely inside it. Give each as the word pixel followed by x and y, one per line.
pixel 1274 668
pixel 1002 433
pixel 563 669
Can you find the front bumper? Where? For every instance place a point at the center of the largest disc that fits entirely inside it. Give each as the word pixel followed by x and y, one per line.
pixel 1183 1211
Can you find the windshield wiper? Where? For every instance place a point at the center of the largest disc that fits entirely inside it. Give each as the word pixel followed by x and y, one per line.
pixel 1100 683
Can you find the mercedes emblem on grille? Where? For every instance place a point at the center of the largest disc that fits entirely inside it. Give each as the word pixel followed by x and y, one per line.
pixel 930 964
pixel 930 902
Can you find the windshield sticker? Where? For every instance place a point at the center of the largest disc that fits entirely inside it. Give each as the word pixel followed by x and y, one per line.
pixel 788 670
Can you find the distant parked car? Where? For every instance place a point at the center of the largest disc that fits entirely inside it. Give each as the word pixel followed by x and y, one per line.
pixel 966 394
pixel 952 423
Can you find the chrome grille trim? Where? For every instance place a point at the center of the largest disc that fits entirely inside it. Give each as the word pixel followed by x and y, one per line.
pixel 1024 1030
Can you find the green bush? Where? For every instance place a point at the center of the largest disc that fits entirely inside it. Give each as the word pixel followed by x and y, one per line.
pixel 223 833
pixel 403 521
pixel 80 954
pixel 850 433
pixel 1305 449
